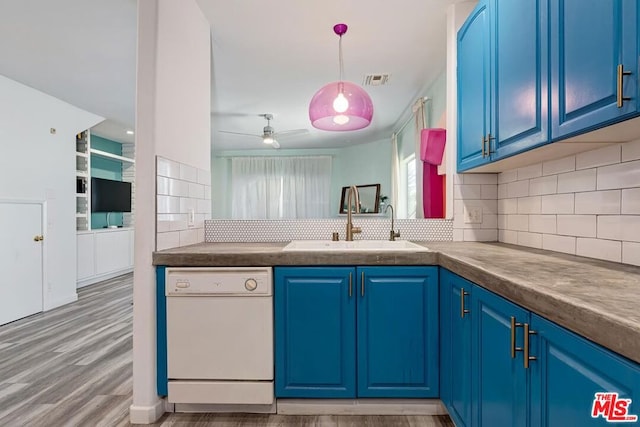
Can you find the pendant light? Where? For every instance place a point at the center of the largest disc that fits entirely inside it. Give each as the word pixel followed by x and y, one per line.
pixel 340 105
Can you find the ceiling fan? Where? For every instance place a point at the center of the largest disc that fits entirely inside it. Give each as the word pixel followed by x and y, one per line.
pixel 269 135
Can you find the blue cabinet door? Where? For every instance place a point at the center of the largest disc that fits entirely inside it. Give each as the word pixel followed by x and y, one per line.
pixel 455 346
pixel 589 40
pixel 567 374
pixel 519 70
pixel 315 332
pixel 499 383
pixel 474 87
pixel 397 331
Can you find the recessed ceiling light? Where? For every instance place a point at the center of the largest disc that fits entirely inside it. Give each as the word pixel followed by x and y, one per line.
pixel 129 132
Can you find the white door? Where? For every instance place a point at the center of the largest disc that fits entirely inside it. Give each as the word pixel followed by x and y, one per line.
pixel 20 260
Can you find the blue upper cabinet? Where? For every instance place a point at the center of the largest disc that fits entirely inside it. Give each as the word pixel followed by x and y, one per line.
pixel 315 332
pixel 474 88
pixel 567 374
pixel 455 346
pixel 519 75
pixel 594 64
pixel 502 81
pixel 499 388
pixel 397 332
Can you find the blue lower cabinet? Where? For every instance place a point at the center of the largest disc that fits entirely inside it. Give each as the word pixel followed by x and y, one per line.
pixel 568 373
pixel 323 352
pixel 455 346
pixel 397 332
pixel 315 332
pixel 162 383
pixel 499 383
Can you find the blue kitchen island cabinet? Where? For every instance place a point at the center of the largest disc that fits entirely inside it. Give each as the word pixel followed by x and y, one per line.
pixel 499 386
pixel 323 352
pixel 592 41
pixel 455 346
pixel 315 332
pixel 568 371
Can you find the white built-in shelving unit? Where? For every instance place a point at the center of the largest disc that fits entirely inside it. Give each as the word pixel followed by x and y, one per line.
pixel 83 181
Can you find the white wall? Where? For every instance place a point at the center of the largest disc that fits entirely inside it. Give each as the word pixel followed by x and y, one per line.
pixel 172 121
pixel 38 165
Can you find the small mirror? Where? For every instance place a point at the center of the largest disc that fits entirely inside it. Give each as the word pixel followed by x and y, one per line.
pixel 369 199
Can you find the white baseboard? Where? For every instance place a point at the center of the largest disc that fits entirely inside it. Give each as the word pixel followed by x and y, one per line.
pixel 245 409
pixel 146 414
pixel 51 304
pixel 360 407
pixel 100 277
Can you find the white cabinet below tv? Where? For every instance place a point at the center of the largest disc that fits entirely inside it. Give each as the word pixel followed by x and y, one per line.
pixel 103 254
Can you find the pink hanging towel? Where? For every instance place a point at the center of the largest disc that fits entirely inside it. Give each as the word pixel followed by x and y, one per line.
pixel 432 143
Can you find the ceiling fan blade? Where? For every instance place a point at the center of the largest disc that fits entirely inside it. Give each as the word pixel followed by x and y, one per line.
pixel 275 144
pixel 239 133
pixel 293 132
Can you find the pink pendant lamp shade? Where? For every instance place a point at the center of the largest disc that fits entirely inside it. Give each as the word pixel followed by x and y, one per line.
pixel 341 105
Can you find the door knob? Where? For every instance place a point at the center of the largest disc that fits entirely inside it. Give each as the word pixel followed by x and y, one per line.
pixel 38 238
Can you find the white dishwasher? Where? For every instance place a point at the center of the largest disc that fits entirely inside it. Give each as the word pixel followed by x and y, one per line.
pixel 220 335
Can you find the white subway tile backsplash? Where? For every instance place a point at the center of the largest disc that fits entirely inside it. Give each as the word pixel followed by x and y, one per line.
pixel 178 188
pixel 528 172
pixel 480 235
pixel 188 237
pixel 188 204
pixel 598 202
pixel 167 240
pixel 204 177
pixel 554 167
pixel 631 151
pixel 518 222
pixel 196 191
pixel 508 206
pixel 542 224
pixel 577 225
pixel 188 173
pixel 502 191
pixel 207 192
pixel 543 185
pixel 553 242
pixel 167 204
pixel 480 178
pixel 508 176
pixel 162 185
pixel 458 235
pixel 631 253
pixel 465 191
pixel 601 157
pixel 168 168
pixel 619 227
pixel 458 207
pixel 558 204
pixel 458 178
pixel 489 221
pixel 530 205
pixel 572 182
pixel 623 175
pixel 610 250
pixel 518 189
pixel 509 236
pixel 631 201
pixel 489 191
pixel 502 222
pixel 532 240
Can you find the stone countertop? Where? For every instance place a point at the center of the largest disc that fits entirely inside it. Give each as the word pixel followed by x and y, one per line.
pixel 599 300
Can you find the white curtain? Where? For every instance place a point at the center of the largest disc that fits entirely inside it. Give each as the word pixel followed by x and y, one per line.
pixel 280 187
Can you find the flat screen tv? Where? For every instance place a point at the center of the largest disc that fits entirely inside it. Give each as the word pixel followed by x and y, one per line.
pixel 110 196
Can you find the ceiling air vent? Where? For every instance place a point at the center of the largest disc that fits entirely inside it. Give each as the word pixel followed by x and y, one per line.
pixel 376 79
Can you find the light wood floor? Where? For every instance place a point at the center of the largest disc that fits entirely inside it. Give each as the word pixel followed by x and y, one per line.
pixel 72 367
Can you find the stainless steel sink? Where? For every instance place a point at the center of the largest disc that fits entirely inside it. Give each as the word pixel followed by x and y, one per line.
pixel 356 245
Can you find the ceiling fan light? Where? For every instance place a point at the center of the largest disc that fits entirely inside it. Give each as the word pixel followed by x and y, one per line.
pixel 267 139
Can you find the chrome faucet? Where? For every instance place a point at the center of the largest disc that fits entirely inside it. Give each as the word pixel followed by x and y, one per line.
pixel 353 191
pixel 392 234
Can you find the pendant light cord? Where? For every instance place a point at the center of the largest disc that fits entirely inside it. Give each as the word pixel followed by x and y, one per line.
pixel 340 58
